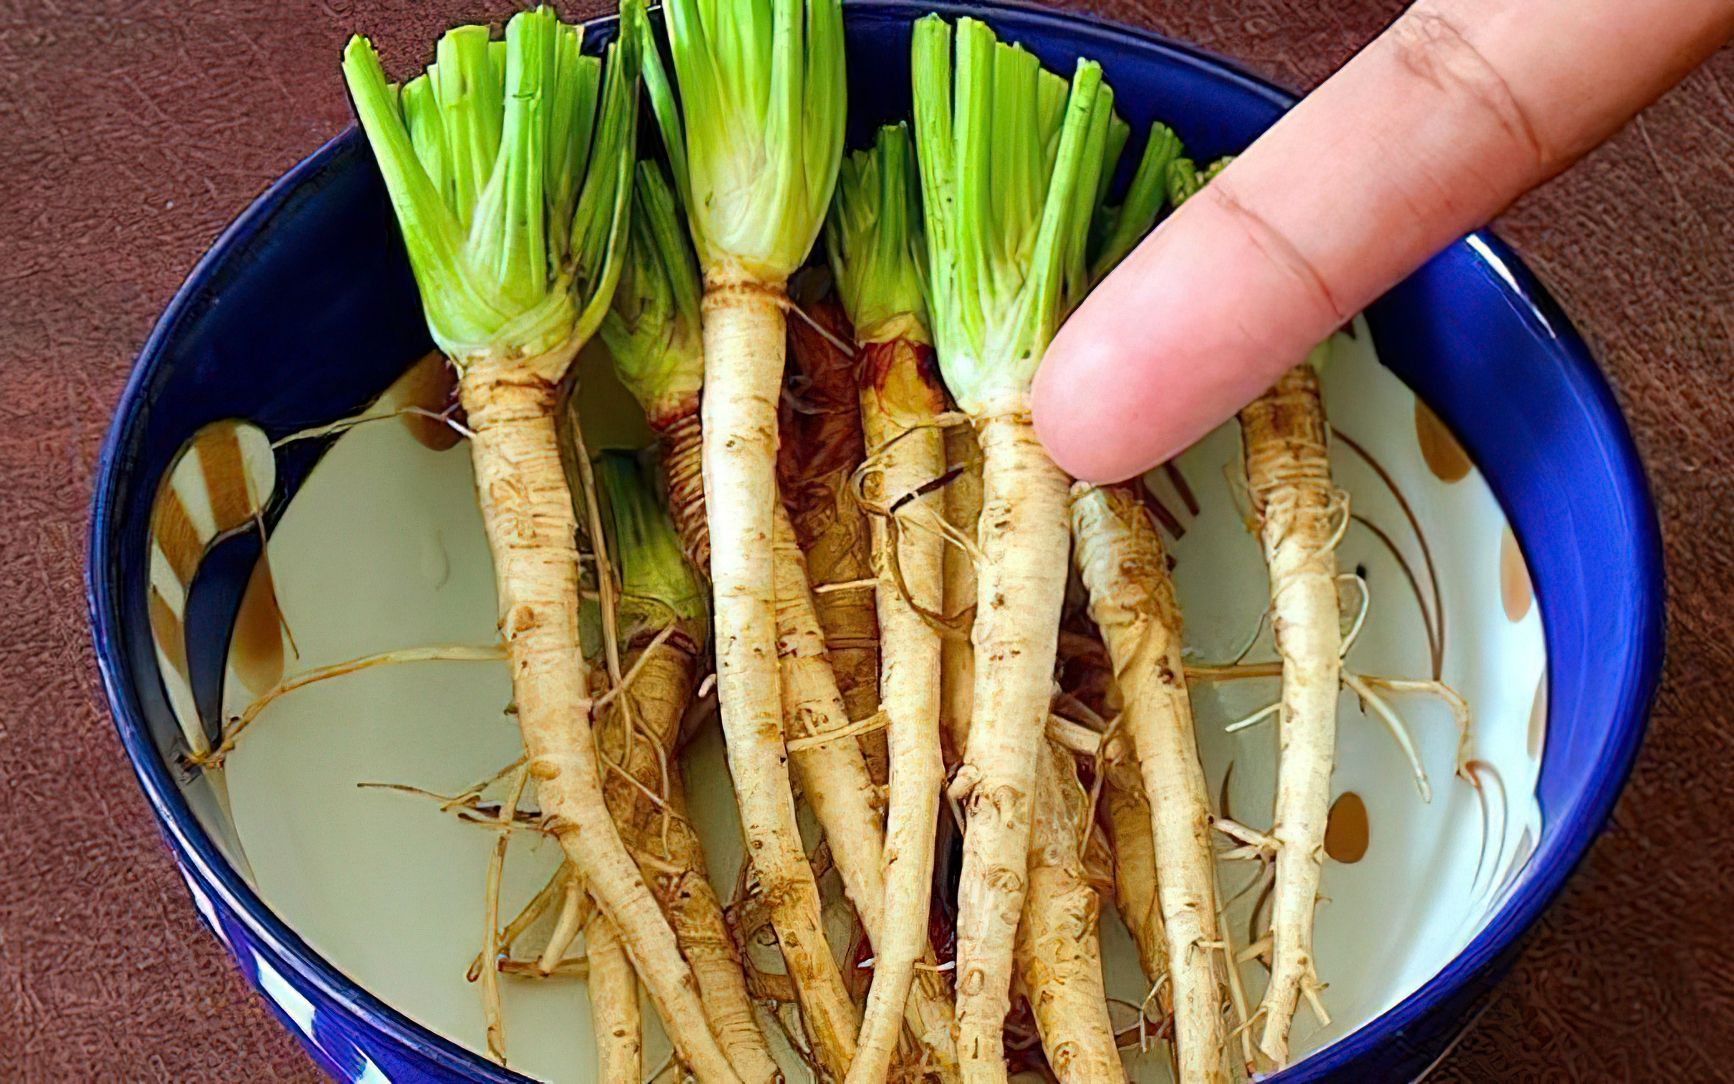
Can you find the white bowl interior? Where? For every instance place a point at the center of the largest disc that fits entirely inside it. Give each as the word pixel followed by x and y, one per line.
pixel 382 549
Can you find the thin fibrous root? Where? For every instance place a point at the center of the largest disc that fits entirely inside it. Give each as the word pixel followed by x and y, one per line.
pixel 1311 990
pixel 598 539
pixel 1256 717
pixel 1258 950
pixel 897 517
pixel 1243 1032
pixel 633 671
pixel 650 795
pixel 1399 731
pixel 952 626
pixel 342 425
pixel 467 804
pixel 873 722
pixel 1151 997
pixel 1251 641
pixel 570 968
pixel 474 790
pixel 607 586
pixel 571 918
pixel 1233 671
pixel 1363 686
pixel 941 481
pixel 1453 700
pixel 1259 880
pixel 233 727
pixel 846 585
pixel 1237 998
pixel 1234 476
pixel 1247 854
pixel 818 327
pixel 533 910
pixel 1253 840
pixel 467 808
pixel 496 1022
pixel 1134 1036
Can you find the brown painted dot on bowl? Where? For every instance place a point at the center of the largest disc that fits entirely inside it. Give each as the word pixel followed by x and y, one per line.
pixel 1515 591
pixel 1346 829
pixel 1445 457
pixel 1538 718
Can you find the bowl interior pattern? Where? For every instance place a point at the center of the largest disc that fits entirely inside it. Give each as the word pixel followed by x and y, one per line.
pixel 331 790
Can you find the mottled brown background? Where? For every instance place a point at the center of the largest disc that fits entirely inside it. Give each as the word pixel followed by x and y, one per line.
pixel 131 133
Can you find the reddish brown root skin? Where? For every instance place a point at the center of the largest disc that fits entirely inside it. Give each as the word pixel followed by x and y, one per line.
pixel 683 473
pixel 821 445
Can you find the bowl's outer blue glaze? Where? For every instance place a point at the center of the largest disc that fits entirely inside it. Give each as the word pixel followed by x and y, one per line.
pixel 304 310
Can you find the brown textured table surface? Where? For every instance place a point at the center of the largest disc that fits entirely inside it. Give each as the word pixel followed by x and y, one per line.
pixel 131 133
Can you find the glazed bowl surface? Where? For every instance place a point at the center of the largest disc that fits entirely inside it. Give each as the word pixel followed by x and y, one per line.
pixel 1504 527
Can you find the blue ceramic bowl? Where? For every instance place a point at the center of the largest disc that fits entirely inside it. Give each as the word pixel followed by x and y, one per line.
pixel 281 323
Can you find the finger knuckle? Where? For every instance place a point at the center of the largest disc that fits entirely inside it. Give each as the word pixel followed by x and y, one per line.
pixel 1433 46
pixel 1275 246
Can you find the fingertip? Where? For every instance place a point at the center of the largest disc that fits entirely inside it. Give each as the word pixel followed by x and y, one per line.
pixel 1094 431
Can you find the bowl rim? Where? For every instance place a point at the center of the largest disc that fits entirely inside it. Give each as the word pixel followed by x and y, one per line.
pixel 1549 867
